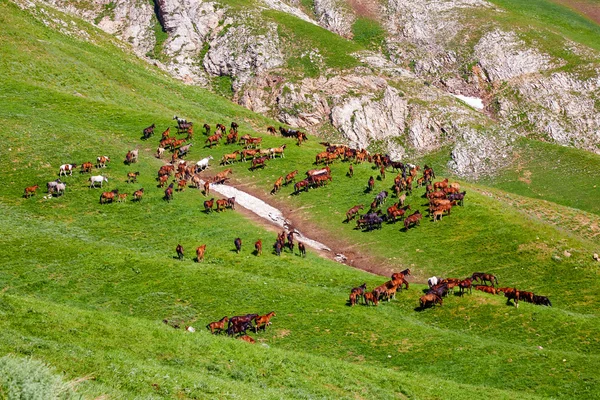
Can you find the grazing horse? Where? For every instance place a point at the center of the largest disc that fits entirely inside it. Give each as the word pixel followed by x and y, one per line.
pixel 351 213
pixel 371 184
pixel 138 194
pixel 208 205
pixel 483 278
pixel 372 297
pixel 169 193
pixel 430 299
pixel 97 179
pixel 108 196
pixel 206 129
pixel 464 285
pixel 381 197
pixel 542 301
pixel 358 292
pixel 258 247
pixel 239 324
pixel 101 161
pixel 131 157
pixel 487 289
pixel 441 185
pixel 353 299
pixel 162 180
pixel 179 250
pixel 258 162
pixel 278 246
pixel 149 131
pixel 291 177
pixel 132 177
pixel 413 219
pixel 511 294
pixel 238 245
pixel 302 249
pixel 271 130
pixel 122 197
pixel 200 253
pixel 66 168
pixel 303 184
pixel 86 167
pixel 221 204
pixel 263 320
pixel 218 326
pixel 30 191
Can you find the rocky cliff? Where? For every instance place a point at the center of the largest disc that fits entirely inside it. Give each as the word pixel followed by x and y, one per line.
pixel 394 96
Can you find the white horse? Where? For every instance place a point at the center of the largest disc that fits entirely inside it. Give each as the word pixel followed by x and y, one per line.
pixel 95 179
pixel 203 164
pixel 59 189
pixel 434 280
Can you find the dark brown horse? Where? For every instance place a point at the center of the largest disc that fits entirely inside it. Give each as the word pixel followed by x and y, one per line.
pixel 465 284
pixel 239 324
pixel 351 213
pixel 169 193
pixel 303 184
pixel 179 250
pixel 483 278
pixel 259 162
pixel 208 205
pixel 238 245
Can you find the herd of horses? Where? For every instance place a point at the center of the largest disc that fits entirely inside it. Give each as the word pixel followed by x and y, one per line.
pixel 240 324
pixel 440 288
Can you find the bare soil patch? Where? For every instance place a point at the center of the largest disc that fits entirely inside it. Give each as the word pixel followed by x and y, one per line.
pixel 590 9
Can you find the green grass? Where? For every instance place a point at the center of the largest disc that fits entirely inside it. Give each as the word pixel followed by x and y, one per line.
pixel 553 17
pixel 368 33
pixel 298 36
pixel 84 287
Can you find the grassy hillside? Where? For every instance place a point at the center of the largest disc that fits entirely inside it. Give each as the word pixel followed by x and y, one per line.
pixel 85 287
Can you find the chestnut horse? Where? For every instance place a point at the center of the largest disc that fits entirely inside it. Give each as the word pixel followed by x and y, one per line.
pixel 208 205
pixel 483 277
pixel 258 247
pixel 217 327
pixel 302 249
pixel 263 320
pixel 200 253
pixel 179 250
pixel 108 196
pixel 289 178
pixel 30 191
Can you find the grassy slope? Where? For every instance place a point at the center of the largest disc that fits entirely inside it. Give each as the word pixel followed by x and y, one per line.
pixel 81 281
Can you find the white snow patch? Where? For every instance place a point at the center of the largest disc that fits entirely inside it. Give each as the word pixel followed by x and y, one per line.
pixel 266 211
pixel 474 102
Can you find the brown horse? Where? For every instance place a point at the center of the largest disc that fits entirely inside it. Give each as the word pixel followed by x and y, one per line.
pixel 511 294
pixel 372 297
pixel 179 250
pixel 30 191
pixel 208 205
pixel 291 177
pixel 464 285
pixel 351 213
pixel 263 320
pixel 413 219
pixel 138 194
pixel 218 326
pixel 483 278
pixel 371 184
pixel 247 338
pixel 486 289
pixel 441 185
pixel 200 253
pixel 430 299
pixel 221 205
pixel 213 139
pixel 258 247
pixel 302 249
pixel 108 197
pixel 132 177
pixel 232 137
pixel 303 184
pixel 238 245
pixel 271 130
pixel 206 129
pixel 86 167
pixel 169 193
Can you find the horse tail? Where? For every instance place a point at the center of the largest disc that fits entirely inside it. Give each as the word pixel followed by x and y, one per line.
pixel 496 279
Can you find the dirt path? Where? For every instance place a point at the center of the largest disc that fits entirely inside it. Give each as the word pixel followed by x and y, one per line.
pixel 275 214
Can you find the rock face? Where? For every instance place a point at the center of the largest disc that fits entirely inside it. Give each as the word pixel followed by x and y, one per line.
pixel 128 20
pixel 502 56
pixel 478 154
pixel 189 24
pixel 244 51
pixel 334 16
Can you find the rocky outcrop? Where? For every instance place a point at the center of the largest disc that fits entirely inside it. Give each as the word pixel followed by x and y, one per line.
pixel 243 51
pixel 334 16
pixel 130 21
pixel 289 9
pixel 502 56
pixel 189 23
pixel 481 153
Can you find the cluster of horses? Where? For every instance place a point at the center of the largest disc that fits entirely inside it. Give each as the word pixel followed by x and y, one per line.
pixel 240 324
pixel 439 288
pixel 386 291
pixel 200 250
pixel 314 178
